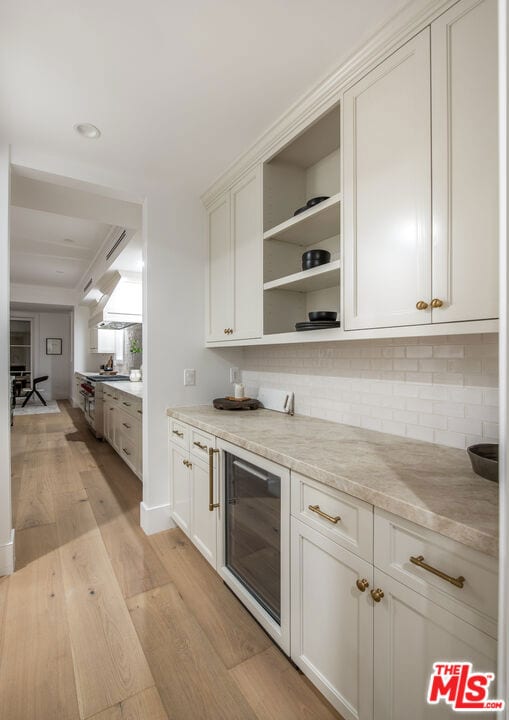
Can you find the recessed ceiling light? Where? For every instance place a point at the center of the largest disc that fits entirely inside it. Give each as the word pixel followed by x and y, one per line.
pixel 88 130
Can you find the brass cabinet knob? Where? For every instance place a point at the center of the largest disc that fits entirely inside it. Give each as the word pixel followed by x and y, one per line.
pixel 421 305
pixel 225 331
pixel 377 594
pixel 362 584
pixel 230 331
pixel 436 303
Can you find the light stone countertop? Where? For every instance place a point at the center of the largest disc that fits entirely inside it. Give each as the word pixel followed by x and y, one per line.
pixel 132 388
pixel 431 485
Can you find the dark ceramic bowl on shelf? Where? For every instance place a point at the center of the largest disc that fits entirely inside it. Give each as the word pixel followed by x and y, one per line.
pixel 321 315
pixel 484 459
pixel 300 210
pixel 314 258
pixel 316 200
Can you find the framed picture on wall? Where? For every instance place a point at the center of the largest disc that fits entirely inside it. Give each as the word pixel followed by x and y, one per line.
pixel 53 346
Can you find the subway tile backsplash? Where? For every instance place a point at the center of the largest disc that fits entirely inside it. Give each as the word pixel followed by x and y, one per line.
pixel 442 389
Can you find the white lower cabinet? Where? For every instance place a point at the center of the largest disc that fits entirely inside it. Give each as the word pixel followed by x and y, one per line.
pixel 204 520
pixel 332 620
pixel 411 633
pixel 181 487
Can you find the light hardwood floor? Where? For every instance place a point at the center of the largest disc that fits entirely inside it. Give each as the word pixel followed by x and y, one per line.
pixel 100 621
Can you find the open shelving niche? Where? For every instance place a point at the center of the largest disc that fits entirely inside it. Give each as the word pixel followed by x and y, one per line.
pixel 309 166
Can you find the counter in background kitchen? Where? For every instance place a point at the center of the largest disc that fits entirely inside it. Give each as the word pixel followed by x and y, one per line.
pixel 431 485
pixel 133 388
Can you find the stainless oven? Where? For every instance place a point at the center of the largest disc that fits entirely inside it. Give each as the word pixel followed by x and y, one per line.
pixel 254 549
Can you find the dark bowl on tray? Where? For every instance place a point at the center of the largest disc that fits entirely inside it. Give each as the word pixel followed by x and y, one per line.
pixel 484 459
pixel 300 210
pixel 314 258
pixel 321 315
pixel 316 200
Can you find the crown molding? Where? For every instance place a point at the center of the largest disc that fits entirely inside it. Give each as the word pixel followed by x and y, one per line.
pixel 404 25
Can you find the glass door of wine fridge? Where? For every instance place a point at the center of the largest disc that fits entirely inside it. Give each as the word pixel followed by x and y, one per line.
pixel 253 531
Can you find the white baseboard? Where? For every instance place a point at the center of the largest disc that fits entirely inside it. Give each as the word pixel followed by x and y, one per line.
pixel 7 557
pixel 155 519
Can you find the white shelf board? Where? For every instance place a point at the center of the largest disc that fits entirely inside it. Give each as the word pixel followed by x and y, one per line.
pixel 318 278
pixel 311 226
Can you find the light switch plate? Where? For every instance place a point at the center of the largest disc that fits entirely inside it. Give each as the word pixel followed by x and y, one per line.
pixel 189 376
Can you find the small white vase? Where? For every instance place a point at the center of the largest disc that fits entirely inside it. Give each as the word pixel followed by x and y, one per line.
pixel 135 376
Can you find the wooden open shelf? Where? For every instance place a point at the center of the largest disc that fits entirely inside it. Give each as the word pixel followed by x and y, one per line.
pixel 318 278
pixel 312 226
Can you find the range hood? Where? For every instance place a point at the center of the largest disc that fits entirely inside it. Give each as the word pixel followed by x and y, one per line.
pixel 121 303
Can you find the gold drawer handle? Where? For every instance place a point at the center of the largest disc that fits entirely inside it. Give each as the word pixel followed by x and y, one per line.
pixel 199 445
pixel 377 594
pixel 187 463
pixel 126 426
pixel 178 433
pixel 421 305
pixel 316 509
pixel 126 452
pixel 437 303
pixel 362 584
pixel 419 561
pixel 140 411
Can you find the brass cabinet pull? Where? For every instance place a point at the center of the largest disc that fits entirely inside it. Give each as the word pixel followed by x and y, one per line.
pixel 212 504
pixel 140 411
pixel 126 452
pixel 419 561
pixel 202 447
pixel 436 303
pixel 178 433
pixel 421 305
pixel 228 331
pixel 316 509
pixel 126 426
pixel 187 463
pixel 126 403
pixel 362 584
pixel 377 594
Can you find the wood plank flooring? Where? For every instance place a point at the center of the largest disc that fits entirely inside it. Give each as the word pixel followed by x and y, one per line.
pixel 101 622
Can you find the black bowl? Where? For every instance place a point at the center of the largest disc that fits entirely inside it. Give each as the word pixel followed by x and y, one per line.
pixel 314 201
pixel 320 315
pixel 313 258
pixel 484 459
pixel 300 210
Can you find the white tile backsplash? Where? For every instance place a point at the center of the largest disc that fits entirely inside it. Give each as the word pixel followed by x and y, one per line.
pixel 442 390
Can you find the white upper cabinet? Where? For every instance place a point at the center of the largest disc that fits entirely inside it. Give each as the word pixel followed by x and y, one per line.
pixel 220 270
pixel 234 307
pixel 465 152
pixel 387 191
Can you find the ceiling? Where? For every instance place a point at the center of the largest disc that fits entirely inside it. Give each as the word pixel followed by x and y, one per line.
pixel 50 249
pixel 178 89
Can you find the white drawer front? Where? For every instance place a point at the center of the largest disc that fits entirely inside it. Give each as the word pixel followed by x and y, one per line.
pixel 130 404
pixel 200 442
pixel 353 529
pixel 180 433
pixel 397 541
pixel 129 427
pixel 129 452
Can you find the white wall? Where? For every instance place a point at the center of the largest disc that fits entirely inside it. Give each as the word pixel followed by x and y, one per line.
pixel 173 336
pixel 41 295
pixel 6 531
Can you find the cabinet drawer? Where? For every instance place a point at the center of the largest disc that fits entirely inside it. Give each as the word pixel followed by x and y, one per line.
pixel 130 404
pixel 179 433
pixel 129 427
pixel 345 519
pixel 467 580
pixel 128 451
pixel 200 442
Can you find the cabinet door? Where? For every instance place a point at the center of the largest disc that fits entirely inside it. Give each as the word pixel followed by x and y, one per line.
pixel 247 234
pixel 93 339
pixel 105 341
pixel 204 521
pixel 465 161
pixel 180 488
pixel 332 621
pixel 387 191
pixel 411 633
pixel 219 303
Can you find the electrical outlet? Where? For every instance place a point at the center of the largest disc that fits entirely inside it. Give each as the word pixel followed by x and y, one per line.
pixel 234 375
pixel 189 377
